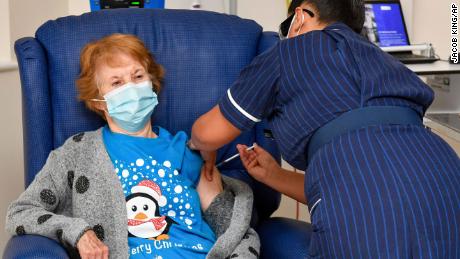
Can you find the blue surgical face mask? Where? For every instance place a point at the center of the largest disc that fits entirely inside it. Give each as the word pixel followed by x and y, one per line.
pixel 131 105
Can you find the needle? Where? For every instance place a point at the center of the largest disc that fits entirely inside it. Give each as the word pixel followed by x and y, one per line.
pixel 233 157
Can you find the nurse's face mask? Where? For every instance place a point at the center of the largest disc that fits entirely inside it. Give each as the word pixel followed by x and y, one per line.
pixel 131 105
pixel 286 25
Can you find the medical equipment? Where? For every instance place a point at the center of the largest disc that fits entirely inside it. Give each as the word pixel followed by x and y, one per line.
pixel 113 4
pixel 233 157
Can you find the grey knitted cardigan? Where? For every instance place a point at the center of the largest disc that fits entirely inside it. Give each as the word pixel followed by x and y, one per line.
pixel 78 190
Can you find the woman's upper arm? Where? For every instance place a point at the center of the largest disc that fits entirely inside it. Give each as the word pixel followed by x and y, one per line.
pixel 43 200
pixel 44 191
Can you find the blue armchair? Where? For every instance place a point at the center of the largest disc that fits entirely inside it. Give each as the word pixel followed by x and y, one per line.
pixel 202 53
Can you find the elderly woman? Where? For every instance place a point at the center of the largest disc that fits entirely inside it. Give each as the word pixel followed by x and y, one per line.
pixel 130 189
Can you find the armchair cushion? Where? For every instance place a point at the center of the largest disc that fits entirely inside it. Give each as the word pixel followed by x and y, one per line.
pixel 33 246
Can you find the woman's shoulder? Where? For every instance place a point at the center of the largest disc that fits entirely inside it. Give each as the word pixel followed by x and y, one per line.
pixel 82 139
pixel 179 136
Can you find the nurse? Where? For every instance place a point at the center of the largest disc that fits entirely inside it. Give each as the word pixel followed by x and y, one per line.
pixel 378 184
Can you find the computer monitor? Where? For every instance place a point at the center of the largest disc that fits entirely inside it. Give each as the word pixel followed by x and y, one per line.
pixel 384 24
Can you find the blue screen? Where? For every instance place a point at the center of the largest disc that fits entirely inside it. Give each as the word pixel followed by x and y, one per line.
pixel 385 25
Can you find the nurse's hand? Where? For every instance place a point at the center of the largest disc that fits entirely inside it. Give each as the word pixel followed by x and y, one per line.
pixel 90 247
pixel 264 168
pixel 209 158
pixel 208 190
pixel 259 163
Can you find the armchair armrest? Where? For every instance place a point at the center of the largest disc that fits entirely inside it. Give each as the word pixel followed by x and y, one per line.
pixel 33 246
pixel 36 105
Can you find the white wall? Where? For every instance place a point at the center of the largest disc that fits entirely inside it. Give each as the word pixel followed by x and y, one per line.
pixel 220 6
pixel 5 53
pixel 77 7
pixel 267 15
pixel 11 157
pixel 27 15
pixel 407 7
pixel 428 21
pixel 432 24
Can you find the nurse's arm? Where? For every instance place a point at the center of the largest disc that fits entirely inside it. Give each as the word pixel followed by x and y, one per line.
pixel 263 167
pixel 212 130
pixel 288 183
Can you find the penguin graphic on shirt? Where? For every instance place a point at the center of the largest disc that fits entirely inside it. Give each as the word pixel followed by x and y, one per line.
pixel 143 208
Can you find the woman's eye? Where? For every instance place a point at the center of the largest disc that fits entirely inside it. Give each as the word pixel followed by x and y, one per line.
pixel 117 83
pixel 139 76
pixel 134 208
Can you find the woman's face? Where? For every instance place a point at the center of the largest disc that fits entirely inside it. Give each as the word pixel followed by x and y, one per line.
pixel 126 70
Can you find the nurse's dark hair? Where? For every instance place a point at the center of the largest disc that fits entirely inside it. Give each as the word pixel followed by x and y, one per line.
pixel 350 12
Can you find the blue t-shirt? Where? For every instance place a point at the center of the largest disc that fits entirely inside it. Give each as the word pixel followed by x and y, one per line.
pixel 159 178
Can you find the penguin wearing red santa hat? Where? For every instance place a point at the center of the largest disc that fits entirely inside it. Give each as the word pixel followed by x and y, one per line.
pixel 143 208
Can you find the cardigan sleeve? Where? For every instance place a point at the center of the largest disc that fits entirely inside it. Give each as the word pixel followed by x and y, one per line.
pixel 36 209
pixel 229 215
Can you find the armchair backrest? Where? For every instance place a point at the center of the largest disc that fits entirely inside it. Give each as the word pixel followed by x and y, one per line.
pixel 202 53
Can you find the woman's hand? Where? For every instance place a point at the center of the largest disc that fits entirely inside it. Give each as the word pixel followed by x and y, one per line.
pixel 90 247
pixel 258 162
pixel 209 189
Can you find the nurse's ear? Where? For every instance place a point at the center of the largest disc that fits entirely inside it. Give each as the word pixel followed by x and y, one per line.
pixel 306 20
pixel 297 23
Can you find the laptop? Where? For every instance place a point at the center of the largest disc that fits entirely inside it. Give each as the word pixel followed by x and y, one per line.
pixel 384 26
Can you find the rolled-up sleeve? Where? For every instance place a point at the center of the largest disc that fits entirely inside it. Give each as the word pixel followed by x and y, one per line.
pixel 252 97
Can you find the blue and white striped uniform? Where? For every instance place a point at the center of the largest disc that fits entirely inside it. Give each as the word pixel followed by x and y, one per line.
pixel 384 191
